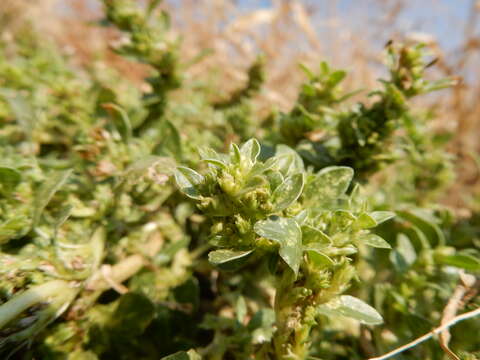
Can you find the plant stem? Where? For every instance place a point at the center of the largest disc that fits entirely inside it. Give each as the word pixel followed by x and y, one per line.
pixel 57 290
pixel 427 336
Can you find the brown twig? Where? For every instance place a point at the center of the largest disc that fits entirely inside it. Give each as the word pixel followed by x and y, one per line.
pixel 448 314
pixel 429 335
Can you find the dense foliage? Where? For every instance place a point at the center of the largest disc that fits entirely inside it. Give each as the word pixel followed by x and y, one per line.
pixel 155 222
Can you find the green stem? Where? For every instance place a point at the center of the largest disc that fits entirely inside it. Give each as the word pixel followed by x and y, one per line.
pixel 56 291
pixel 294 321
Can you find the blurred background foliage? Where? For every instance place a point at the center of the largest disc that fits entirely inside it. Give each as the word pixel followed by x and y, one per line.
pixel 347 34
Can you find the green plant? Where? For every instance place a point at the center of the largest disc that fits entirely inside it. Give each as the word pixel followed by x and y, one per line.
pixel 150 223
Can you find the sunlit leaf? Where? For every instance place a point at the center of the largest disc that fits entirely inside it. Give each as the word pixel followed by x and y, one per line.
pixel 328 184
pixel 351 307
pixel 375 241
pixel 187 180
pixel 288 192
pixel 288 234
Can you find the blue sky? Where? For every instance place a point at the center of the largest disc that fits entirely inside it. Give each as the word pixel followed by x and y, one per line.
pixel 441 20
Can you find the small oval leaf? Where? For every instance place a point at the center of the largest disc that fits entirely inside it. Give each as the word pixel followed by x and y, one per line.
pixel 351 307
pixel 329 183
pixel 317 256
pixel 287 233
pixel 365 221
pixel 9 177
pixel 382 216
pixel 251 150
pixel 54 182
pixel 375 241
pixel 187 180
pixel 311 234
pixel 223 256
pixel 288 192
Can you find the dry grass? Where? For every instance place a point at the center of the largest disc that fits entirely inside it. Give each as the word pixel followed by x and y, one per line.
pixel 288 33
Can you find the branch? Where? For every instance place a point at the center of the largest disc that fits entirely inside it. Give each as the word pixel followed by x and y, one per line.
pixel 463 292
pixel 427 336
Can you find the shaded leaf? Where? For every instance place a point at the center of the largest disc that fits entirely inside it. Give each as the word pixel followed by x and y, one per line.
pixel 316 254
pixel 124 126
pixel 261 326
pixel 427 223
pixel 287 233
pixel 170 143
pixel 9 177
pixel 43 196
pixel 241 309
pixel 404 254
pixel 463 261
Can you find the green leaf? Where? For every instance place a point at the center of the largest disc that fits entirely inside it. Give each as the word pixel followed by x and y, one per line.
pixel 301 217
pixel 187 180
pixel 375 241
pixel 235 154
pixel 288 192
pixel 365 221
pixel 216 162
pixel 22 109
pixel 124 127
pixel 9 177
pixel 218 257
pixel 170 142
pixel 311 234
pixel 404 254
pixel 13 228
pixel 316 254
pixel 188 293
pixel 288 160
pixel 336 77
pixel 381 216
pixel 212 157
pixel 427 223
pixel 43 196
pixel 329 184
pixel 138 168
pixel 241 309
pixel 351 307
pixel 209 153
pixel 170 250
pixel 275 178
pixel 133 314
pixel 288 234
pixel 261 326
pixel 251 150
pixel 463 261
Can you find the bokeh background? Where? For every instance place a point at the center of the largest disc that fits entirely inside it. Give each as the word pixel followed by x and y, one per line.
pixel 228 35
